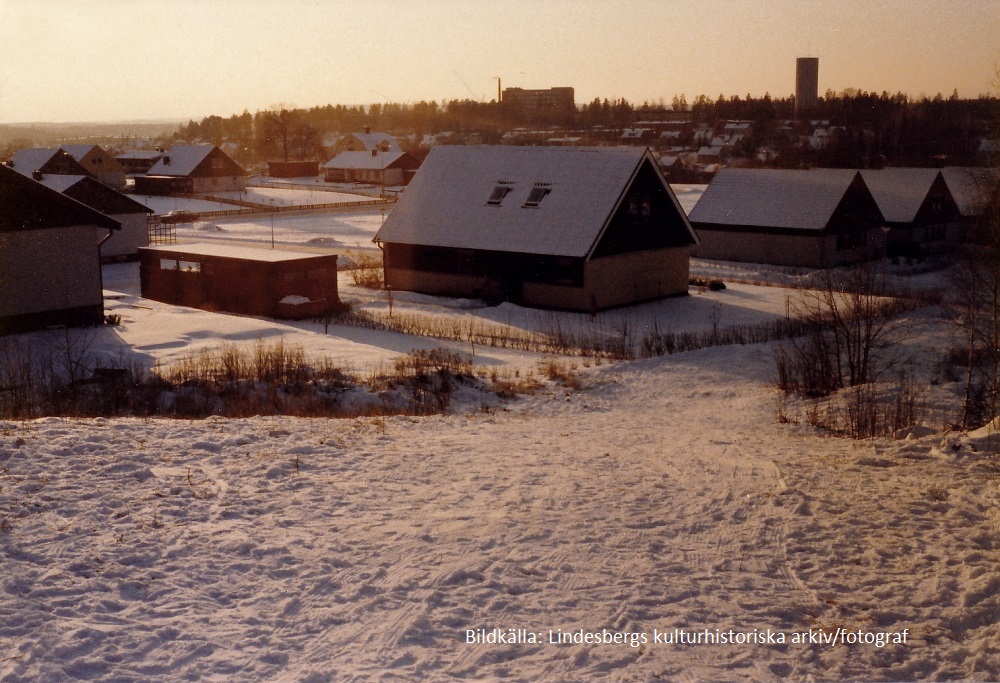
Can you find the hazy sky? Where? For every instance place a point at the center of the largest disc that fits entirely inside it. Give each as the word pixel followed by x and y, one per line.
pixel 95 60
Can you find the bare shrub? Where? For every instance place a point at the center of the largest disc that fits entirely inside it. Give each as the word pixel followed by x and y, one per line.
pixel 368 272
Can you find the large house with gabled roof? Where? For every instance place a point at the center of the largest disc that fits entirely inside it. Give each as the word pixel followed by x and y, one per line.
pixel 50 270
pixel 572 228
pixel 32 161
pixel 920 213
pixel 192 169
pixel 816 218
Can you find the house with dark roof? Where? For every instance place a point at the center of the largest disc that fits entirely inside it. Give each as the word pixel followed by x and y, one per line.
pixel 50 269
pixel 375 167
pixel 817 219
pixel 575 228
pixel 45 160
pixel 99 163
pixel 192 169
pixel 134 217
pixel 920 213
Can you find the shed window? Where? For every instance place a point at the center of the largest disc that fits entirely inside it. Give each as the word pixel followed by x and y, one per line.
pixel 499 192
pixel 168 264
pixel 189 266
pixel 537 194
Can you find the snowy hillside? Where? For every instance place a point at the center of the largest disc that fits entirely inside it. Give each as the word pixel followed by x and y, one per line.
pixel 663 495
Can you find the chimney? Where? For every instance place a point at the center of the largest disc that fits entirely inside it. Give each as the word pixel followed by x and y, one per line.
pixel 368 130
pixel 375 152
pixel 37 175
pixel 166 161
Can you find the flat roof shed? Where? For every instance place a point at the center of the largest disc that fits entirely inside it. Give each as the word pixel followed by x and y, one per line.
pixel 252 281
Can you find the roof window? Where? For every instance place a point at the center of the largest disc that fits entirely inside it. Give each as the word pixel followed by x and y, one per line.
pixel 537 194
pixel 499 192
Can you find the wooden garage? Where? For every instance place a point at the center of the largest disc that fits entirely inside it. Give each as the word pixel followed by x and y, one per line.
pixel 219 277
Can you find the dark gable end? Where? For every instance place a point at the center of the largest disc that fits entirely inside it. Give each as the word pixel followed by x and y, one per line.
pixel 857 211
pixel 646 217
pixel 939 206
pixel 217 164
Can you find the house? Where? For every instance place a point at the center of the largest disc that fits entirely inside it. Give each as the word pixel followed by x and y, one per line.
pixel 366 142
pixel 50 270
pixel 973 189
pixel 134 217
pixel 375 167
pixel 920 213
pixel 252 281
pixel 576 228
pixel 139 161
pixel 710 154
pixel 51 160
pixel 192 169
pixel 98 163
pixel 816 219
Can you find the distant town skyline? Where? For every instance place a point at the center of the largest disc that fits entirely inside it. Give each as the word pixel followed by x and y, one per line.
pixel 110 60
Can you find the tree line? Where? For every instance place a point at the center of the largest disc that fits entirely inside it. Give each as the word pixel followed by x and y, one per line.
pixel 866 129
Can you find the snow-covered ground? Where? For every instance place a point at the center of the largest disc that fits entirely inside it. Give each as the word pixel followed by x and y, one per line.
pixel 265 196
pixel 327 230
pixel 664 494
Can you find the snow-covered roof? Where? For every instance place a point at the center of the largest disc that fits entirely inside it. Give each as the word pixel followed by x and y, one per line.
pixel 968 185
pixel 376 140
pixel 448 203
pixel 363 160
pixel 773 198
pixel 26 161
pixel 94 194
pixel 232 251
pixel 181 160
pixel 900 192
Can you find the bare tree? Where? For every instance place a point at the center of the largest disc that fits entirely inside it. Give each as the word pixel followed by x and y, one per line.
pixel 974 293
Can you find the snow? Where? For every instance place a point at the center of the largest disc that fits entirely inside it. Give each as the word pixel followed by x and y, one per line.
pixel 664 494
pixel 354 229
pixel 661 496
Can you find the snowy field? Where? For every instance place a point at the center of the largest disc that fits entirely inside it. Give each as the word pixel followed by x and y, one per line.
pixel 663 494
pixel 265 196
pixel 328 231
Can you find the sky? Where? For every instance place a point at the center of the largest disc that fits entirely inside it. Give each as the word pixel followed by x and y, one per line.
pixel 110 60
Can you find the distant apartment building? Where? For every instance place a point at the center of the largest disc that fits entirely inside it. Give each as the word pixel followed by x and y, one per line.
pixel 554 101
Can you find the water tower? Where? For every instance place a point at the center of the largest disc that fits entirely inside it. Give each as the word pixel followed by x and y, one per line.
pixel 806 84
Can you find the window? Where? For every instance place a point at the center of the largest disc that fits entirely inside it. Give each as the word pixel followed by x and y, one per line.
pixel 499 192
pixel 168 264
pixel 189 266
pixel 537 194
